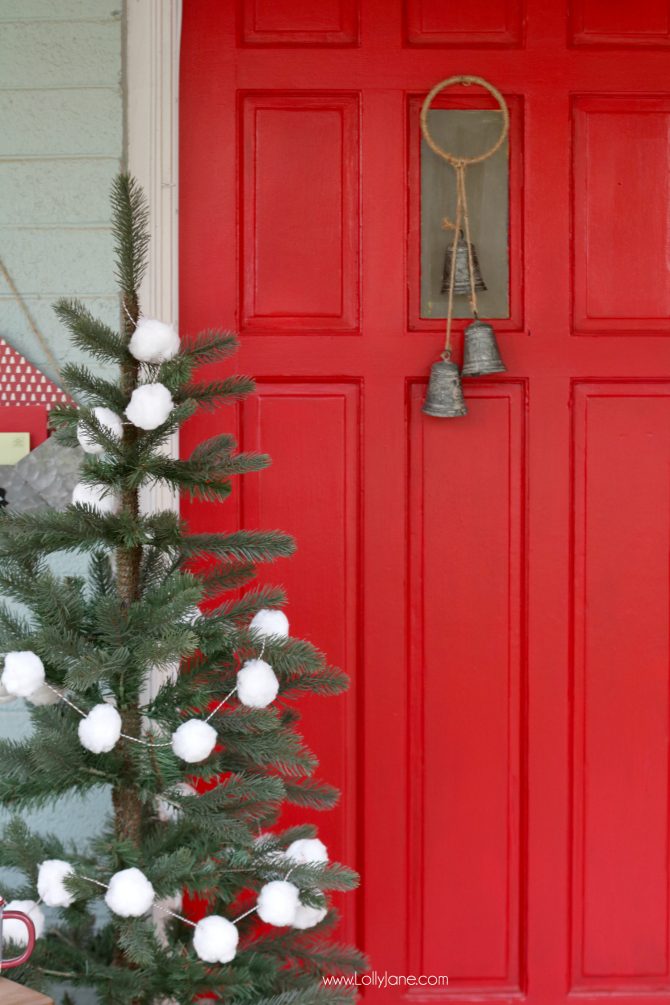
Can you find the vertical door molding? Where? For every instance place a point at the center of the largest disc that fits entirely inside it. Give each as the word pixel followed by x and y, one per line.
pixel 153 31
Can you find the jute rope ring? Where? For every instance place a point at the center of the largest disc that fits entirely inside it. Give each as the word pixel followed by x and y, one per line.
pixel 466 81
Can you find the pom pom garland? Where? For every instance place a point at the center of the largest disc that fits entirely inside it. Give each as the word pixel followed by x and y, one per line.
pixel 308 917
pixel 150 405
pixel 269 623
pixel 15 931
pixel 307 850
pixel 45 695
pixel 51 883
pixel 194 741
pixel 130 894
pixel 97 497
pixel 153 341
pixel 163 910
pixel 109 420
pixel 23 674
pixel 257 685
pixel 215 939
pixel 100 730
pixel 278 902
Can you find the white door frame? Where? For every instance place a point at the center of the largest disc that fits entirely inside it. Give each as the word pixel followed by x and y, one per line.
pixel 152 45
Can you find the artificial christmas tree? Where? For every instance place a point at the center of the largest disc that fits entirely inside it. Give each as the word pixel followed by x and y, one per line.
pixel 200 770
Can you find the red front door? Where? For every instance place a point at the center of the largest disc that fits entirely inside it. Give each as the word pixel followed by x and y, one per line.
pixel 497 586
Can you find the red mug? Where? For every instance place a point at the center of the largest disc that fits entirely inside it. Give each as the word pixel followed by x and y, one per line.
pixel 25 920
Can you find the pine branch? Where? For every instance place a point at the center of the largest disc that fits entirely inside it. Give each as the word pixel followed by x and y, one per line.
pixel 244 545
pixel 218 392
pixel 226 575
pixel 312 794
pixel 130 226
pixel 242 610
pixel 89 334
pixel 149 441
pixel 84 384
pixel 209 346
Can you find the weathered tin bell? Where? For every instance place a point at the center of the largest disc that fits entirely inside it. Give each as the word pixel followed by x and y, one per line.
pixel 462 268
pixel 444 397
pixel 480 351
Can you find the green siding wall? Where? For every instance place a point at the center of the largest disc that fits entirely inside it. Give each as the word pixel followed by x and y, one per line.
pixel 61 142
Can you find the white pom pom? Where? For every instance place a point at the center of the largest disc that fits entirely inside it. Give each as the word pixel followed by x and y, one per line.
pixel 307 850
pixel 99 732
pixel 194 740
pixel 278 902
pixel 215 939
pixel 97 497
pixel 257 684
pixel 150 405
pixel 45 695
pixel 23 674
pixel 15 931
pixel 168 810
pixel 268 623
pixel 109 420
pixel 130 894
pixel 51 883
pixel 154 341
pixel 308 917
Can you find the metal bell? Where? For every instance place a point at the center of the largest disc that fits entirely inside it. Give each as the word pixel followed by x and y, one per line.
pixel 444 397
pixel 462 268
pixel 480 351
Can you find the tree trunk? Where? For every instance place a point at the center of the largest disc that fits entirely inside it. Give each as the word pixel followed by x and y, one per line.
pixel 125 800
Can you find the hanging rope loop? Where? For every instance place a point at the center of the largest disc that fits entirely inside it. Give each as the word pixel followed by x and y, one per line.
pixel 464 81
pixel 461 225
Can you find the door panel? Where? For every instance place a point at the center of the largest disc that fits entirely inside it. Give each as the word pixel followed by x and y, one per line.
pixel 298 22
pixel 620 156
pixel 300 424
pixel 496 586
pixel 620 24
pixel 620 684
pixel 488 22
pixel 511 221
pixel 465 794
pixel 299 202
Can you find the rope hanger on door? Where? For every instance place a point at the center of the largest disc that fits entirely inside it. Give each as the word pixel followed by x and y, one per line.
pixel 444 396
pixel 460 165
